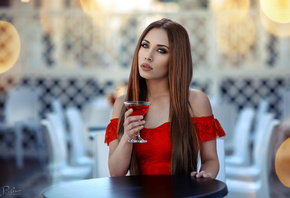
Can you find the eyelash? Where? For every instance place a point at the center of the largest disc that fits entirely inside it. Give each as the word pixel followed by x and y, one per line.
pixel 160 50
pixel 145 45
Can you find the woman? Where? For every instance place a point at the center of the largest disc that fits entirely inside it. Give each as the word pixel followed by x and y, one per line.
pixel 179 122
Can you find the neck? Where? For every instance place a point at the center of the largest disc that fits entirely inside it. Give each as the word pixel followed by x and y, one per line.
pixel 157 88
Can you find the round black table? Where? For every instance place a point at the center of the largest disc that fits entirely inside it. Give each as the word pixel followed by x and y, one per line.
pixel 139 186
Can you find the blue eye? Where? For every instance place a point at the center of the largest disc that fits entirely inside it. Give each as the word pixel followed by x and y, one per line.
pixel 145 45
pixel 162 51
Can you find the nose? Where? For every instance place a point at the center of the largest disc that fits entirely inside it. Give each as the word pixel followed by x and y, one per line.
pixel 148 56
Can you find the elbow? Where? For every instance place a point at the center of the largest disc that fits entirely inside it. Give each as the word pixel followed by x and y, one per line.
pixel 117 171
pixel 117 174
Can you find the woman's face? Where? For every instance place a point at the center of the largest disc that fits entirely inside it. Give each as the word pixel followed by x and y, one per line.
pixel 153 56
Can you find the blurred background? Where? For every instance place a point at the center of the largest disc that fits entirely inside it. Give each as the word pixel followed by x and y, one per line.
pixel 69 59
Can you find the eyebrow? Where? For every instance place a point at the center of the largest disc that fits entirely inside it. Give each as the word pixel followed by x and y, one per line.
pixel 160 45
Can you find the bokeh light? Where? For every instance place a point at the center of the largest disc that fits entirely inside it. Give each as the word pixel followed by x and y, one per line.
pixel 50 19
pixel 277 29
pixel 235 38
pixel 282 162
pixel 276 10
pixel 234 10
pixel 9 46
pixel 90 6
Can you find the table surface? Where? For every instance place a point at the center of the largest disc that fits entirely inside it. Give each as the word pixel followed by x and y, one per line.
pixel 139 186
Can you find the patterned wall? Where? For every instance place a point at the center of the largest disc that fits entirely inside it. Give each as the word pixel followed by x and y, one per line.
pixel 249 91
pixel 77 92
pixel 78 64
pixel 72 91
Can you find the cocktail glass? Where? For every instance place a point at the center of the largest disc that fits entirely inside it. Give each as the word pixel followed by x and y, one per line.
pixel 139 108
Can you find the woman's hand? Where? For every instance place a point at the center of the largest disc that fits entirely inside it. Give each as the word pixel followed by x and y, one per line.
pixel 203 174
pixel 132 124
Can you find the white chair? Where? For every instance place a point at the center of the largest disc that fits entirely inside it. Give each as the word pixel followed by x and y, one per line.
pixel 101 154
pixel 21 111
pixel 220 146
pixel 221 155
pixel 57 107
pixel 252 181
pixel 79 138
pixel 234 172
pixel 226 115
pixel 285 105
pixel 97 113
pixel 59 169
pixel 241 152
pixel 261 110
pixel 22 104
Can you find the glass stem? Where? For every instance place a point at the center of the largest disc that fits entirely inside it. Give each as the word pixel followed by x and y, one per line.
pixel 138 135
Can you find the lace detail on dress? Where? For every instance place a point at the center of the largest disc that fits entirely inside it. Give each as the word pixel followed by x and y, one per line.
pixel 208 128
pixel 111 132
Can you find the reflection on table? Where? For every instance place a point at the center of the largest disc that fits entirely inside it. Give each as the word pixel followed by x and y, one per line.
pixel 140 186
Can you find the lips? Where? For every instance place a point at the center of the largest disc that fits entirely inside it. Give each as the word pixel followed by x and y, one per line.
pixel 146 67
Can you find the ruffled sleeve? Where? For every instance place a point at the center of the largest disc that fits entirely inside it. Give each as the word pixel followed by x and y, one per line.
pixel 208 128
pixel 111 132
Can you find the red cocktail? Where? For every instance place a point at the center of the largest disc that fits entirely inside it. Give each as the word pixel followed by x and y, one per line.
pixel 139 108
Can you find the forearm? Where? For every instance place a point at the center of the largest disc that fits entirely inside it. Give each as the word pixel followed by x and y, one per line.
pixel 119 161
pixel 211 166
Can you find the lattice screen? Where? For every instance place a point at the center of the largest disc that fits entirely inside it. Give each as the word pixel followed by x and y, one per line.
pixel 72 41
pixel 249 92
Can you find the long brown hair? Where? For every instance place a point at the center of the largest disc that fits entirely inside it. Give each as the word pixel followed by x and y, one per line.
pixel 182 133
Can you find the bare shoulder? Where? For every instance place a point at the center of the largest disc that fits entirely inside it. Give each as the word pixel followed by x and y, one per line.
pixel 200 103
pixel 118 106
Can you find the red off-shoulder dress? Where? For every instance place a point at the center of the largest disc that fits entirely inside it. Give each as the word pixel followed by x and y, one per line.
pixel 154 157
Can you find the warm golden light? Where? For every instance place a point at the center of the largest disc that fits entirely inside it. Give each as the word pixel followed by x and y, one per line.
pixel 235 38
pixel 125 6
pixel 234 10
pixel 90 6
pixel 277 29
pixel 9 46
pixel 282 163
pixel 276 10
pixel 50 19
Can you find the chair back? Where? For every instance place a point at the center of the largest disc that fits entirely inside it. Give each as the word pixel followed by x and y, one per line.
pixel 22 104
pixel 57 108
pixel 263 140
pixel 262 156
pixel 226 115
pixel 54 153
pixel 220 145
pixel 242 134
pixel 259 120
pixel 261 110
pixel 259 140
pixel 77 133
pixel 59 135
pixel 285 105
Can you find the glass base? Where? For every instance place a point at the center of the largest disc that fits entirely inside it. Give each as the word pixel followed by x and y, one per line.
pixel 137 140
